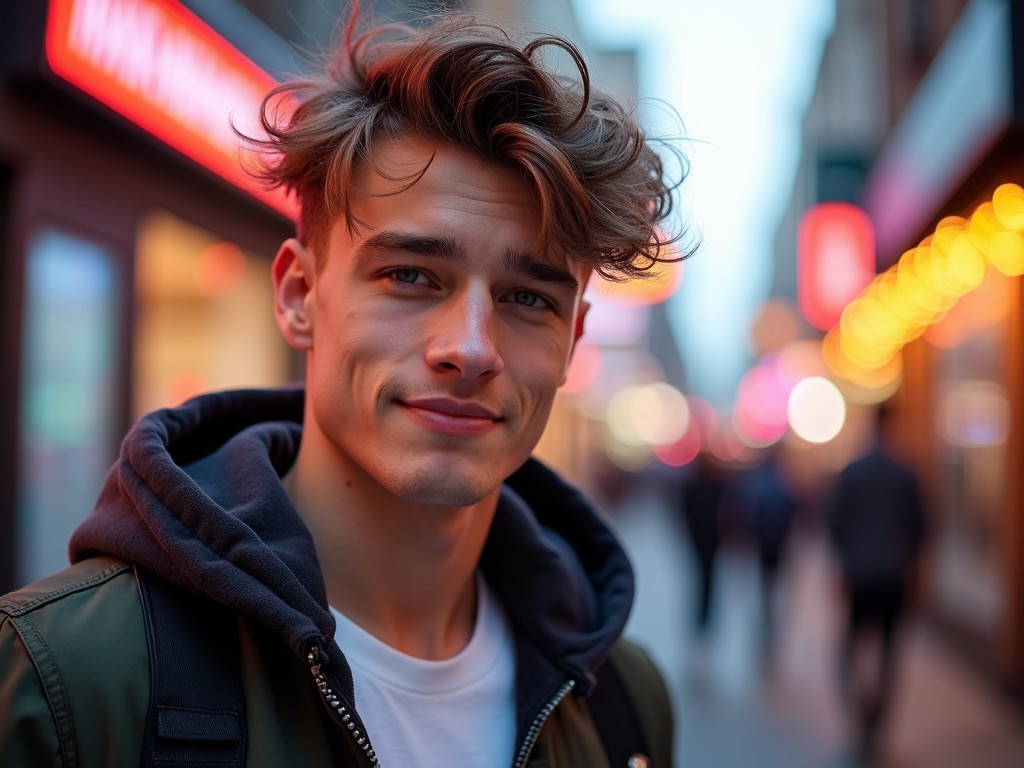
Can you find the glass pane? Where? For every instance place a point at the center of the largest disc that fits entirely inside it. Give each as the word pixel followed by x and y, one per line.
pixel 69 363
pixel 972 417
pixel 205 316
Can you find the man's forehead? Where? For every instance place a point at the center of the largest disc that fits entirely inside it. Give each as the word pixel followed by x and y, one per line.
pixel 396 162
pixel 392 164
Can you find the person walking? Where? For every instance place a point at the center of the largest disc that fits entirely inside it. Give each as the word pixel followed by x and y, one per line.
pixel 772 513
pixel 877 524
pixel 701 504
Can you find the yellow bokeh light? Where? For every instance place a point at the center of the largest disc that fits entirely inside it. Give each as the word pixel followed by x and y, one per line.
pixel 881 376
pixel 931 265
pixel 652 414
pixel 875 385
pixel 863 355
pixel 966 263
pixel 923 287
pixel 1007 252
pixel 654 287
pixel 983 226
pixel 947 230
pixel 921 260
pixel 1008 204
pixel 831 353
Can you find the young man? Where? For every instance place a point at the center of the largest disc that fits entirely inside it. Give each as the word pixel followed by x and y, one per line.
pixel 403 584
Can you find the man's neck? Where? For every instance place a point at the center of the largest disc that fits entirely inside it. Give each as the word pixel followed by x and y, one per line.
pixel 403 571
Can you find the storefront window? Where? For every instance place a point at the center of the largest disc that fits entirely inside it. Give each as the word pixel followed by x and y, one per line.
pixel 69 364
pixel 972 416
pixel 204 316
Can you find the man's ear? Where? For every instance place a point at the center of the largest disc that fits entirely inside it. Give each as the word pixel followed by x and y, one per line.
pixel 293 274
pixel 580 317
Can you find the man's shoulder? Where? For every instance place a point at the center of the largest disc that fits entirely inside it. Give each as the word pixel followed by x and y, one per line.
pixel 59 589
pixel 76 666
pixel 649 694
pixel 78 623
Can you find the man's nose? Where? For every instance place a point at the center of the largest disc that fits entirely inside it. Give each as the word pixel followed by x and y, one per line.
pixel 463 336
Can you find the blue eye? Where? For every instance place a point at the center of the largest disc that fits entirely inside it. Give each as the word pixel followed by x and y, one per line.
pixel 407 275
pixel 529 299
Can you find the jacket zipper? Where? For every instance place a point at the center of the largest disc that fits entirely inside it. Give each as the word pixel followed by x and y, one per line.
pixel 316 658
pixel 538 722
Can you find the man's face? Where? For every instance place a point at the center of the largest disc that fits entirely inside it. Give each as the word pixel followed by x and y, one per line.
pixel 437 332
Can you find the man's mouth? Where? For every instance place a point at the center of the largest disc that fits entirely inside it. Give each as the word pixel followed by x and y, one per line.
pixel 462 418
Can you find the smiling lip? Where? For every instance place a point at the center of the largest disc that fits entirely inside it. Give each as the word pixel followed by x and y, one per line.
pixel 452 417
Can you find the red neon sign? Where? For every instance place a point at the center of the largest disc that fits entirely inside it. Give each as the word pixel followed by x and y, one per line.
pixel 160 66
pixel 835 260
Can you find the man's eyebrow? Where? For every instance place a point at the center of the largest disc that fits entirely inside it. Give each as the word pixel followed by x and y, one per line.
pixel 526 264
pixel 515 261
pixel 420 245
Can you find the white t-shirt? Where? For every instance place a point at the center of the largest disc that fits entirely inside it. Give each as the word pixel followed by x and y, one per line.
pixel 459 711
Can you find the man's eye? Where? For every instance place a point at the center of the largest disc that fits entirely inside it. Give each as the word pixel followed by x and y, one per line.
pixel 409 276
pixel 530 299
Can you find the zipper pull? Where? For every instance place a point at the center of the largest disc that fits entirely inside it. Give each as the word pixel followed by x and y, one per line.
pixel 316 659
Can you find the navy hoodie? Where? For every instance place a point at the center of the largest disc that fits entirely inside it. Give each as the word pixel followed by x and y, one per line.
pixel 196 497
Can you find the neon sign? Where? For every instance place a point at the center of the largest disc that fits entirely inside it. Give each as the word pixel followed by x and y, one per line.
pixel 835 260
pixel 157 64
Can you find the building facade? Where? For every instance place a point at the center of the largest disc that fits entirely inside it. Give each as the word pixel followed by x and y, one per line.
pixel 923 144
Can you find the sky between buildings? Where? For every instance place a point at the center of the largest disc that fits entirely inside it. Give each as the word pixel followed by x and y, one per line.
pixel 740 74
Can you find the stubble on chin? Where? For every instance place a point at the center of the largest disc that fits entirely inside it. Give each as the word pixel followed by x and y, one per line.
pixel 435 486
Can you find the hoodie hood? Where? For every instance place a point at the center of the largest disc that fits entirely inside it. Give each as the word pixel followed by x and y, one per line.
pixel 196 498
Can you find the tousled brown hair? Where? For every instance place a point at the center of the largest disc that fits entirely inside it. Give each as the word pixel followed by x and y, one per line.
pixel 602 190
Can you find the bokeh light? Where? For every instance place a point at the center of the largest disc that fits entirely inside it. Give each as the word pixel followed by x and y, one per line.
pixel 760 411
pixel 219 269
pixel 973 413
pixel 816 410
pixel 1008 205
pixel 653 288
pixel 1007 252
pixel 924 288
pixel 648 414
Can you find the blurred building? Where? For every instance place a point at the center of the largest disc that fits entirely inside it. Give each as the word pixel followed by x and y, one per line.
pixel 135 252
pixel 918 120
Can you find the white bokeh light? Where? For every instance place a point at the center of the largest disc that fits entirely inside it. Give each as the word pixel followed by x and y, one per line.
pixel 816 409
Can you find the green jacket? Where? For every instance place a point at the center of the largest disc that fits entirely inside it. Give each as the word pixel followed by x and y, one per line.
pixel 74 686
pixel 196 499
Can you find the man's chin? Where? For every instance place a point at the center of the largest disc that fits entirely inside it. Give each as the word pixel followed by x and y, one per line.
pixel 449 488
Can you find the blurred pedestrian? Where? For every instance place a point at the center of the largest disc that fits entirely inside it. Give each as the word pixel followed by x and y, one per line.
pixel 877 524
pixel 767 508
pixel 702 513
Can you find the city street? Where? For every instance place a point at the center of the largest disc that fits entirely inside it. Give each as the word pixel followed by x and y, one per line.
pixel 740 705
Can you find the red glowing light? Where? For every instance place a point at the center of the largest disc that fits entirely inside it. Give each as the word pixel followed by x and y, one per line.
pixel 682 451
pixel 160 66
pixel 835 260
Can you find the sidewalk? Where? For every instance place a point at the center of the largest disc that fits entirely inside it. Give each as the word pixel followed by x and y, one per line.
pixel 739 706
